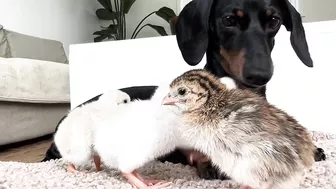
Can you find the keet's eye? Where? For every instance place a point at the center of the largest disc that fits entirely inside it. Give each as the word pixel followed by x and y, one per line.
pixel 274 22
pixel 181 91
pixel 125 101
pixel 229 21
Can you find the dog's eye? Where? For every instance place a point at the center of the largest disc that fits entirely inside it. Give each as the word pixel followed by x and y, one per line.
pixel 229 21
pixel 181 91
pixel 274 22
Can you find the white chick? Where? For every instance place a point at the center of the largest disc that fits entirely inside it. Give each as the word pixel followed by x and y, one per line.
pixel 137 133
pixel 74 137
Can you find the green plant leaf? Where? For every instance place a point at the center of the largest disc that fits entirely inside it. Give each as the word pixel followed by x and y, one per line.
pixel 99 32
pixel 159 29
pixel 111 37
pixel 113 26
pixel 165 13
pixel 106 4
pixel 127 5
pixel 104 14
pixel 110 30
pixel 102 32
pixel 100 38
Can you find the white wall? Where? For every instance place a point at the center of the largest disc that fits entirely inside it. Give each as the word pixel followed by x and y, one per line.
pixel 306 93
pixel 68 21
pixel 317 10
pixel 74 21
pixel 142 8
pixel 182 3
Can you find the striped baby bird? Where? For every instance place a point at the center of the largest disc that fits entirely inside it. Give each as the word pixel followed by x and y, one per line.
pixel 253 142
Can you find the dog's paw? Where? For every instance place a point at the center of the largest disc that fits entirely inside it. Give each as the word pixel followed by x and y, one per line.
pixel 207 171
pixel 320 155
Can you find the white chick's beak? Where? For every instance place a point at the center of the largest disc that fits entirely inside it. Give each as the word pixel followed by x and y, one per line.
pixel 169 100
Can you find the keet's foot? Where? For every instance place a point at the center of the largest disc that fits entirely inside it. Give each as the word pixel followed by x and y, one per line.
pixel 206 170
pixel 320 155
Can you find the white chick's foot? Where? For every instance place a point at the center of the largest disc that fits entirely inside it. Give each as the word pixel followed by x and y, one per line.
pixel 97 162
pixel 264 185
pixel 137 181
pixel 148 182
pixel 160 185
pixel 72 169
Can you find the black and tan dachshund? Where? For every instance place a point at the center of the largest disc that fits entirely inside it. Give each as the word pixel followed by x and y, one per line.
pixel 237 37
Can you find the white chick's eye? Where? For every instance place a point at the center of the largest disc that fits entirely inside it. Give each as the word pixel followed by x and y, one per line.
pixel 125 101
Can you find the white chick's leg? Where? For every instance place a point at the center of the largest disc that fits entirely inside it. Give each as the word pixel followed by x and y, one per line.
pixel 128 165
pixel 72 169
pixel 97 162
pixel 135 179
pixel 245 187
pixel 148 182
pixel 80 156
pixel 96 159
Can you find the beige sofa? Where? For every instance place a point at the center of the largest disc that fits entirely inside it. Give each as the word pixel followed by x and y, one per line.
pixel 34 86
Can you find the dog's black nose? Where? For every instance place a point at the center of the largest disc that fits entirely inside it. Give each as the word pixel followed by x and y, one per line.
pixel 257 78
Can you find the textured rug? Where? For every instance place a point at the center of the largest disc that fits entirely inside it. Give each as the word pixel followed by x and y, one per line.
pixel 52 174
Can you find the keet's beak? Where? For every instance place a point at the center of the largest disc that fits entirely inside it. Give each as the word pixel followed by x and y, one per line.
pixel 169 101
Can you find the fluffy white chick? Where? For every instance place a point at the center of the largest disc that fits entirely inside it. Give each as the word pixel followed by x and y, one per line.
pixel 138 133
pixel 74 137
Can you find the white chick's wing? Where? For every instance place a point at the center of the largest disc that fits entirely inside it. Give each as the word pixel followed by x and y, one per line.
pixel 229 82
pixel 114 96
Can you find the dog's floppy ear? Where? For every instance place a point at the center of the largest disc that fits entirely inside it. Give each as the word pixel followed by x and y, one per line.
pixel 293 23
pixel 192 30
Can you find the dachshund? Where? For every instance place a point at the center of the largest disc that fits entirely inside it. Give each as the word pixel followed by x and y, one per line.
pixel 237 37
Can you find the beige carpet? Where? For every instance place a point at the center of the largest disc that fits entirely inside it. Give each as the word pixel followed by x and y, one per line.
pixel 52 174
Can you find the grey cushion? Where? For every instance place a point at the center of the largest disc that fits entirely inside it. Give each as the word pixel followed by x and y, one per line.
pixel 4 48
pixel 17 45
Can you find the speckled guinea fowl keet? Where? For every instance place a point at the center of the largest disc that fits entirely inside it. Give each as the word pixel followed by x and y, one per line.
pixel 252 141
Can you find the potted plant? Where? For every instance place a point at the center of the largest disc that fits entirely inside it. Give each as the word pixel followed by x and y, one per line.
pixel 116 14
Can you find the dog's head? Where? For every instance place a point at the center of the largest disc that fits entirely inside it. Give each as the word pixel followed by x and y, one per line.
pixel 241 33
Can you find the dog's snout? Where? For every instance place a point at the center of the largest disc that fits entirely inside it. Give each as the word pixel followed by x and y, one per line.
pixel 257 78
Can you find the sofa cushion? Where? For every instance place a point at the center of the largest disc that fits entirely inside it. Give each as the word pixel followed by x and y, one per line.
pixel 34 81
pixel 17 45
pixel 4 48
